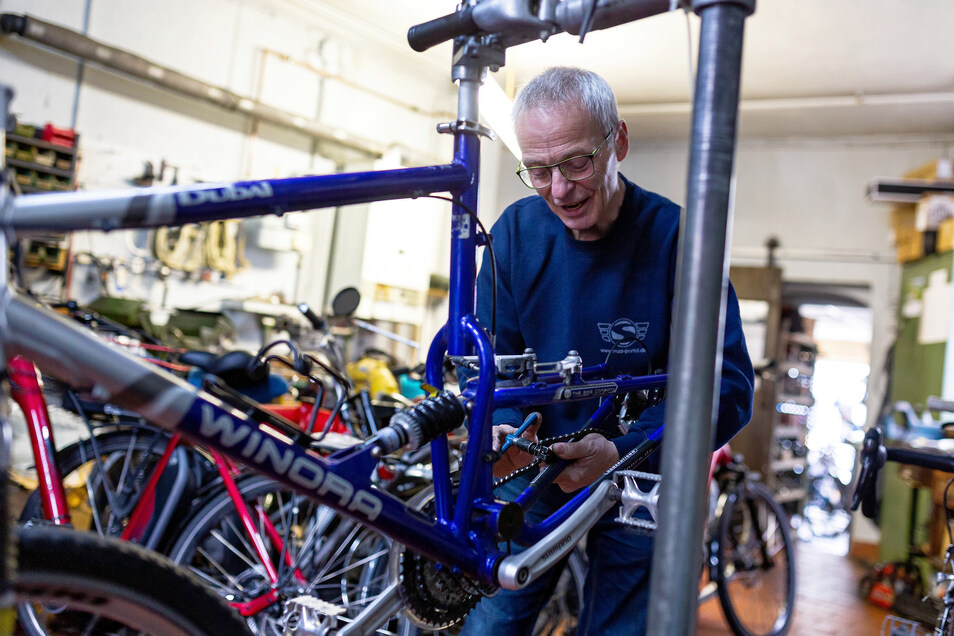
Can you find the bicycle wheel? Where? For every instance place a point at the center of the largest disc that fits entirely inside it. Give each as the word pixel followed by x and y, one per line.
pixel 103 480
pixel 755 574
pixel 315 552
pixel 79 583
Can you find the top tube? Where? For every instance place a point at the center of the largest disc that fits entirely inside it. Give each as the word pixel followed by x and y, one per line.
pixel 178 205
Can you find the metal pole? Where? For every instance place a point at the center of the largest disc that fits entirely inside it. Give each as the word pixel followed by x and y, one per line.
pixel 695 356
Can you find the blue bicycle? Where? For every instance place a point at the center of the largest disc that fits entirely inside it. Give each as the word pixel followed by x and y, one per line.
pixel 446 554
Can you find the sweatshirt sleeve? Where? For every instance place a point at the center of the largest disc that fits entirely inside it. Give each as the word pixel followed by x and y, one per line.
pixel 736 390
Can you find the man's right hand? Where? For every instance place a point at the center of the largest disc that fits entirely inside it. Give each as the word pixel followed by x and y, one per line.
pixel 513 458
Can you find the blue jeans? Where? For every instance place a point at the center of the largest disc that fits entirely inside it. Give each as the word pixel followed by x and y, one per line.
pixel 615 593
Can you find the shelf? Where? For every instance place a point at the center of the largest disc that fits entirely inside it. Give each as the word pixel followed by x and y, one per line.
pixel 786 495
pixel 789 431
pixel 802 339
pixel 803 400
pixel 788 464
pixel 39 167
pixel 27 189
pixel 802 367
pixel 40 143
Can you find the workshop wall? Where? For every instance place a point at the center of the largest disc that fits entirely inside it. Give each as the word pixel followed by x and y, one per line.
pixel 291 60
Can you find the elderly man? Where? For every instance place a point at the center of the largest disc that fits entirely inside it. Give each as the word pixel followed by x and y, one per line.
pixel 588 264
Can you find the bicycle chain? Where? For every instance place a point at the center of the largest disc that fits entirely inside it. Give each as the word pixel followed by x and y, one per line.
pixel 575 436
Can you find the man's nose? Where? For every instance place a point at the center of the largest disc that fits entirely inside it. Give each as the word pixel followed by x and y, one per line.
pixel 559 185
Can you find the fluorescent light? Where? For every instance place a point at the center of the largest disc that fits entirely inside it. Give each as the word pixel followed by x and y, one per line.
pixel 496 108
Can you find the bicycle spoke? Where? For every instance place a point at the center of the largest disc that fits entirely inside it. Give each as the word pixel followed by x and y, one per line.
pixel 213 581
pixel 228 544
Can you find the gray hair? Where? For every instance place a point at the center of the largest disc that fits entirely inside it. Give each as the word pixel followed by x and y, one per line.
pixel 562 85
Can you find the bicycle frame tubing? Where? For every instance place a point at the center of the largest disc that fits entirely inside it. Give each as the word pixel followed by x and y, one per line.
pixel 26 391
pixel 341 480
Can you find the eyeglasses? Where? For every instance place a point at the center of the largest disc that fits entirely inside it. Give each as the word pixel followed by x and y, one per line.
pixel 573 169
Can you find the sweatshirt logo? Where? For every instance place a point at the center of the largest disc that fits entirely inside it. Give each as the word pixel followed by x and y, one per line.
pixel 623 333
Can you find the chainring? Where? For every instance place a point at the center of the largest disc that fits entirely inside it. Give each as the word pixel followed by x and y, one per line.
pixel 436 598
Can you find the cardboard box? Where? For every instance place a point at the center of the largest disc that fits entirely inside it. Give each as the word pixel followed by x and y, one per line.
pixel 945 236
pixel 902 217
pixel 932 209
pixel 939 169
pixel 910 244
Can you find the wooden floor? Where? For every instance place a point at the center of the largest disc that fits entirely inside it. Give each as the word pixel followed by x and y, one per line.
pixel 826 603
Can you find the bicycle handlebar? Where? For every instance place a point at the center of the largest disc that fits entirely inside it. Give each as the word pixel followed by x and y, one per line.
pixel 924 459
pixel 516 20
pixel 423 36
pixel 316 321
pixel 873 457
pixel 938 404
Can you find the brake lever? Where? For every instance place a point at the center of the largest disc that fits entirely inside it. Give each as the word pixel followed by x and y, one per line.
pixel 873 457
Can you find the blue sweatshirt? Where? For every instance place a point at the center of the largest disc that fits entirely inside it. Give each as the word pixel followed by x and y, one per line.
pixel 555 293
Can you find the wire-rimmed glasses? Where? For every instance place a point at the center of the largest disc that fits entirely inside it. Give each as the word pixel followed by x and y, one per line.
pixel 573 169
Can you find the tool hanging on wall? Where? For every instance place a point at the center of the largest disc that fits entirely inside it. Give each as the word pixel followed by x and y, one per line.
pixel 219 245
pixel 225 247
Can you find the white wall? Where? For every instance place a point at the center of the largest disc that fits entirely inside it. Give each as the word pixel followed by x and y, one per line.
pixel 255 48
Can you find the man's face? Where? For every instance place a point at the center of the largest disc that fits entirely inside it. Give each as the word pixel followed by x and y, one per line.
pixel 587 207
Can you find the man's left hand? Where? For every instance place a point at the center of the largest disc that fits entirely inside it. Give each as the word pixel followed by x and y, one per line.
pixel 589 458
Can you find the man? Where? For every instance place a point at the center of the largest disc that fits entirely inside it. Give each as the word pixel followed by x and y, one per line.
pixel 588 264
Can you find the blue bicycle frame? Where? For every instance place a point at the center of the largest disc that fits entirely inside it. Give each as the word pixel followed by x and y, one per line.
pixel 465 525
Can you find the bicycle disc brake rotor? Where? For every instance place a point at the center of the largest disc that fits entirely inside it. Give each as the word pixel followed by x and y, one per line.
pixel 436 598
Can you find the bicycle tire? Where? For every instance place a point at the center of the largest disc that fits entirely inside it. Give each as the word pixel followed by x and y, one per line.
pixel 331 552
pixel 82 583
pixel 123 452
pixel 756 574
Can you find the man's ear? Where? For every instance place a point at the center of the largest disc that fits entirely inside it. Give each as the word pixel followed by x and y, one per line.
pixel 622 141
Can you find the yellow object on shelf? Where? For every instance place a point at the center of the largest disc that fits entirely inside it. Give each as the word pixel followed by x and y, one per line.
pixel 945 235
pixel 374 375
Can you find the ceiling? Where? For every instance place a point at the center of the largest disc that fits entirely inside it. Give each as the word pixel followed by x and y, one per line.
pixel 810 67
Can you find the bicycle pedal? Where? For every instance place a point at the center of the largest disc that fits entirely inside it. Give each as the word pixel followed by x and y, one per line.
pixel 310 616
pixel 633 498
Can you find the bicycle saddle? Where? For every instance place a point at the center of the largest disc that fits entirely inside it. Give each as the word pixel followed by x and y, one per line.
pixel 238 369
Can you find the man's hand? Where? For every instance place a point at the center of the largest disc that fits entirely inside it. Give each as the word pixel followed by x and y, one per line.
pixel 589 458
pixel 513 458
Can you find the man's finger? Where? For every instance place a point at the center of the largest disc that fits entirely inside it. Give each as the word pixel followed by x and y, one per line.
pixel 572 450
pixel 500 433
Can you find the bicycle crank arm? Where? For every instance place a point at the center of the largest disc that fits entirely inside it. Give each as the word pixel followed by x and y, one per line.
pixel 519 570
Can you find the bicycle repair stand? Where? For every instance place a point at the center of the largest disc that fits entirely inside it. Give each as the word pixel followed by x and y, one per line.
pixel 691 402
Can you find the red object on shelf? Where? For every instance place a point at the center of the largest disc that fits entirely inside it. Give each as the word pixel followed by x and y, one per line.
pixel 300 413
pixel 59 136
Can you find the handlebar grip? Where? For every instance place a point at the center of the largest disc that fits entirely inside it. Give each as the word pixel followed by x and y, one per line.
pixel 938 404
pixel 316 321
pixel 423 36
